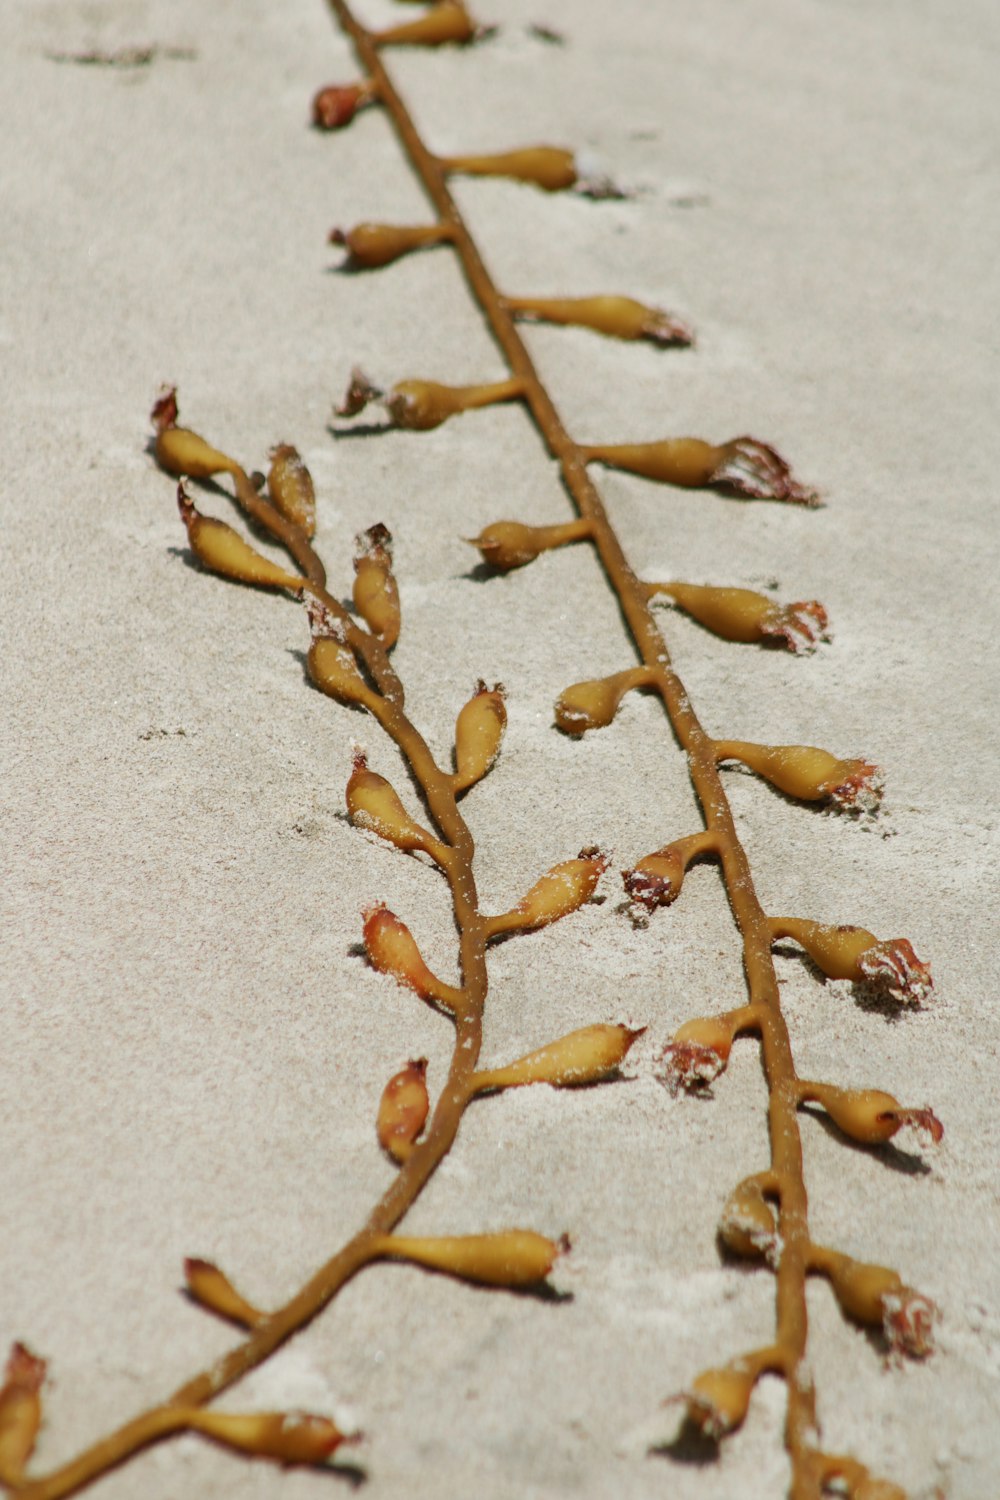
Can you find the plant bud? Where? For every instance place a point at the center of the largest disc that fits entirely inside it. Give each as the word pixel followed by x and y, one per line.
pixel 212 1289
pixel 391 949
pixel 332 664
pixel 338 103
pixel 294 1437
pixel 372 804
pixel 657 879
pixel 376 597
pixel 548 167
pixel 592 705
pixel 369 246
pixel 512 1258
pixel 876 1296
pixel 420 405
pixel 446 21
pixel 617 317
pixel 810 774
pixel 583 1057
pixel 745 616
pixel 290 486
pixel 718 1400
pixel 402 1111
pixel 700 1050
pixel 182 452
pixel 870 1115
pixel 561 890
pixel 222 550
pixel 20 1412
pixel 479 731
pixel 510 544
pixel 743 467
pixel 748 1226
pixel 856 954
pixel 872 1488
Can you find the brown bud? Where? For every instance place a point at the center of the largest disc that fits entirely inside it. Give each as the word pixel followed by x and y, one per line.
pixel 294 1437
pixel 479 731
pixel 583 1057
pixel 359 393
pixel 369 245
pixel 182 452
pixel 372 804
pixel 657 879
pixel 291 489
pixel 745 616
pixel 512 1257
pixel 20 1412
pixel 876 1296
pixel 446 21
pixel 617 317
pixel 391 949
pixel 332 664
pixel 510 544
pixel 403 1109
pixel 420 405
pixel 222 550
pixel 561 890
pixel 810 774
pixel 743 467
pixel 856 954
pixel 700 1049
pixel 748 1226
pixel 212 1289
pixel 718 1400
pixel 548 167
pixel 592 705
pixel 338 103
pixel 376 597
pixel 870 1115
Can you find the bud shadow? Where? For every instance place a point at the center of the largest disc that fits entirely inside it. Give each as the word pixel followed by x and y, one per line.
pixel 691 1447
pixel 906 1162
pixel 359 430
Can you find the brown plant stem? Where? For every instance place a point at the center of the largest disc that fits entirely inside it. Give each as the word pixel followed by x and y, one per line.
pixel 368 1244
pixel 750 918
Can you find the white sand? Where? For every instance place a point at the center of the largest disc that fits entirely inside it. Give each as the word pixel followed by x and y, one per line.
pixel 192 1054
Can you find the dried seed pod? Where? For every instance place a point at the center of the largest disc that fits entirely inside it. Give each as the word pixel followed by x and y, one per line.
pixel 583 1057
pixel 869 1115
pixel 372 804
pixel 292 1437
pixel 212 1289
pixel 512 1257
pixel 376 597
pixel 420 405
pixel 656 879
pixel 561 890
pixel 743 467
pixel 877 1296
pixel 810 774
pixel 336 105
pixel 617 317
pixel 222 550
pixel 592 705
pixel 549 167
pixel 511 544
pixel 403 1108
pixel 182 452
pixel 369 245
pixel 290 486
pixel 479 730
pixel 20 1412
pixel 392 949
pixel 748 1226
pixel 718 1400
pixel 699 1050
pixel 856 954
pixel 332 664
pixel 744 615
pixel 446 21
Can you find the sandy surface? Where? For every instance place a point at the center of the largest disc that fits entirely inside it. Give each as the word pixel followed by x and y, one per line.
pixel 193 1053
